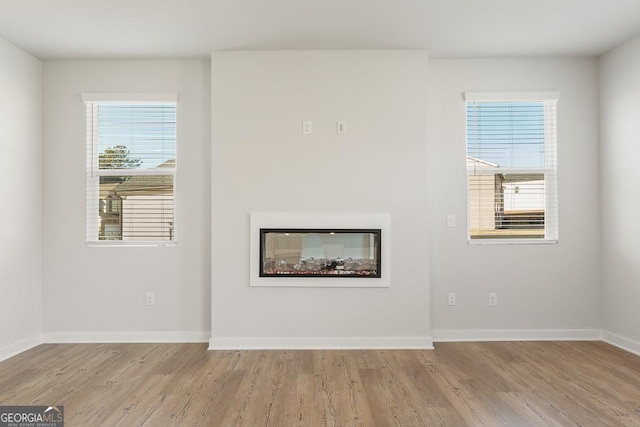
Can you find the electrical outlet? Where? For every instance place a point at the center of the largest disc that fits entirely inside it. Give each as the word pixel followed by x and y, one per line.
pixel 493 299
pixel 307 127
pixel 151 298
pixel 451 298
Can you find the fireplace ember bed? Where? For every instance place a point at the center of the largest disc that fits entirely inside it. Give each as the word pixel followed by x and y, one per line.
pixel 301 252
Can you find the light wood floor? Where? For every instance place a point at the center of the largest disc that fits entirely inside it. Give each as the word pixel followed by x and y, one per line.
pixel 458 384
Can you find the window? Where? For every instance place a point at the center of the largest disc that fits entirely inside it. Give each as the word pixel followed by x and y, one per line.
pixel 131 169
pixel 512 167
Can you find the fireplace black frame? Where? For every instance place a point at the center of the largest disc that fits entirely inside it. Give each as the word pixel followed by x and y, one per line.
pixel 324 273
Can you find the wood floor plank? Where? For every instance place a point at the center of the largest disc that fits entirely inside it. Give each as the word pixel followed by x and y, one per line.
pixel 457 384
pixel 415 387
pixel 325 383
pixel 560 390
pixel 473 408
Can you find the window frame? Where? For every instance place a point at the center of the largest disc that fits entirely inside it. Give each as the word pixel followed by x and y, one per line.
pixel 549 169
pixel 94 173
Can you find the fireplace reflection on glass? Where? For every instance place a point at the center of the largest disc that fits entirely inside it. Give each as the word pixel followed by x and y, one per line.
pixel 320 252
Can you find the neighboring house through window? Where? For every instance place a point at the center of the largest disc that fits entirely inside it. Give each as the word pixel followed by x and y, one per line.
pixel 131 168
pixel 512 167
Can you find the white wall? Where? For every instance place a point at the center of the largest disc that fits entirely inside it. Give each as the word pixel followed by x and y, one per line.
pixel 260 99
pixel 552 290
pixel 98 294
pixel 620 150
pixel 262 162
pixel 21 190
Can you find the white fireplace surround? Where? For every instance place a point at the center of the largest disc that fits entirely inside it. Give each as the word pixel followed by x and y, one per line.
pixel 320 220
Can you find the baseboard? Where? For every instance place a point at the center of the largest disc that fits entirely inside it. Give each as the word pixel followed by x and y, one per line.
pixel 426 343
pixel 16 348
pixel 621 342
pixel 321 343
pixel 517 335
pixel 126 337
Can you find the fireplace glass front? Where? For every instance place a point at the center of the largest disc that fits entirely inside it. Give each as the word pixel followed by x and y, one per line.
pixel 320 252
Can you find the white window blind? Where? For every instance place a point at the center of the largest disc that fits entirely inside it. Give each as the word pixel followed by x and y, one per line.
pixel 512 167
pixel 131 168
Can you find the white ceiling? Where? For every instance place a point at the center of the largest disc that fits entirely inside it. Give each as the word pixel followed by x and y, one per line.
pixel 75 29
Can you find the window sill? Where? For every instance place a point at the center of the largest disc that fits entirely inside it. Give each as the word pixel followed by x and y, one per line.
pixel 130 244
pixel 512 242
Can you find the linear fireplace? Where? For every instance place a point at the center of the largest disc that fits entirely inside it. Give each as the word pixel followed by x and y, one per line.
pixel 328 252
pixel 320 249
